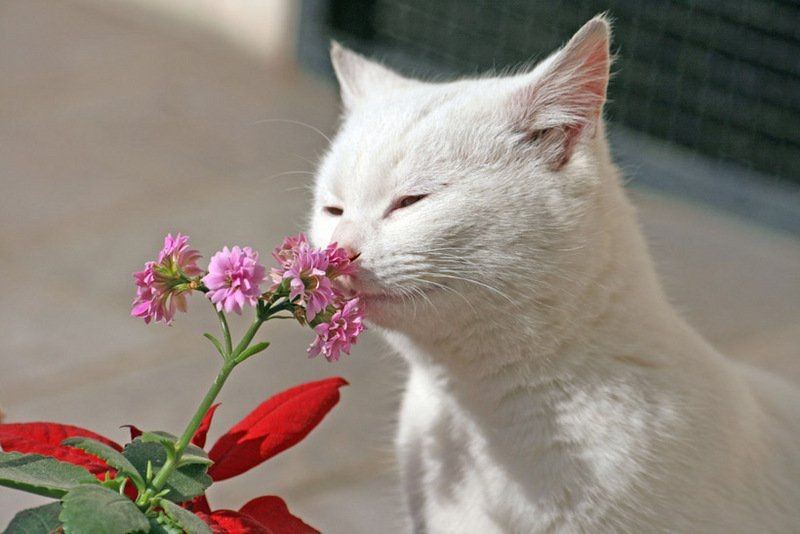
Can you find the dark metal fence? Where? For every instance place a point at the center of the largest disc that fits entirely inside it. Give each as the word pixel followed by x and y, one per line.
pixel 721 78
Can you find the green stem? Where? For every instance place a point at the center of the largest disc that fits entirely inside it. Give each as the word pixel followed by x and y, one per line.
pixel 248 337
pixel 230 363
pixel 172 461
pixel 226 332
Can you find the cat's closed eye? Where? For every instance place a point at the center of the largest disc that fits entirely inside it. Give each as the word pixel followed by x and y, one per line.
pixel 333 210
pixel 406 201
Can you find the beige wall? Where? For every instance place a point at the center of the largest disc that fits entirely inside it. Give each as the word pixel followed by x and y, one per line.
pixel 263 27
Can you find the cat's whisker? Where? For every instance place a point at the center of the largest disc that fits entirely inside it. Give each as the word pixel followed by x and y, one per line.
pixel 476 282
pixel 288 173
pixel 299 123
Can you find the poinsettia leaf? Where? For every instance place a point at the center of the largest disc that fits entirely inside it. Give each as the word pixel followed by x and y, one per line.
pixel 272 512
pixel 230 522
pixel 185 483
pixel 216 528
pixel 112 457
pixel 40 520
pixel 41 475
pixel 274 426
pixel 185 519
pixel 45 439
pixel 198 504
pixel 134 430
pixel 199 437
pixel 98 509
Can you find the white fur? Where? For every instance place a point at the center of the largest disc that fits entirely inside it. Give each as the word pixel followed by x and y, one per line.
pixel 552 388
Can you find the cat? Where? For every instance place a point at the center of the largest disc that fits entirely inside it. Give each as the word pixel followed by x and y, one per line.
pixel 551 386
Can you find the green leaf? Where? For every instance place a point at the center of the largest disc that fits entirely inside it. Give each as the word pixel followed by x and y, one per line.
pixel 112 457
pixel 97 509
pixel 166 440
pixel 185 519
pixel 41 475
pixel 163 525
pixel 185 483
pixel 39 520
pixel 159 436
pixel 255 349
pixel 193 454
pixel 216 343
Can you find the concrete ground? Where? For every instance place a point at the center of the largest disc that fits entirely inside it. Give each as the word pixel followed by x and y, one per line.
pixel 115 130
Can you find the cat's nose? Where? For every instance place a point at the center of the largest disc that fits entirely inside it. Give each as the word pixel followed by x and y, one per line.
pixel 349 236
pixel 352 253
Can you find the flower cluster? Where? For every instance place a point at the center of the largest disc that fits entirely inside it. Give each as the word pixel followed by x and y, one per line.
pixel 162 286
pixel 307 273
pixel 302 285
pixel 339 333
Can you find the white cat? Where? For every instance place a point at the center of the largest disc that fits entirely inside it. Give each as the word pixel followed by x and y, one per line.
pixel 552 387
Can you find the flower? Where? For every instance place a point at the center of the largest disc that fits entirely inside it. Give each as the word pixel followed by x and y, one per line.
pixel 162 286
pixel 287 251
pixel 310 271
pixel 339 263
pixel 233 278
pixel 338 334
pixel 308 281
pixel 176 252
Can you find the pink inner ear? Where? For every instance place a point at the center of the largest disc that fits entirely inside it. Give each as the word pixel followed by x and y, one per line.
pixel 592 80
pixel 568 97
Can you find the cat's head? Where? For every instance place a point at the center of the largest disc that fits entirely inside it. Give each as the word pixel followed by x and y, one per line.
pixel 455 194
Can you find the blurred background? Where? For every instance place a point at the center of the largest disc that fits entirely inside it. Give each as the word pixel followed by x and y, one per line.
pixel 122 120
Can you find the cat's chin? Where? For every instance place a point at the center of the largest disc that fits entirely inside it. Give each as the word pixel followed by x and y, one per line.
pixel 391 310
pixel 379 306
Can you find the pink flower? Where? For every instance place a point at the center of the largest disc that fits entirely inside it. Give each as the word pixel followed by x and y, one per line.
pixel 339 333
pixel 286 252
pixel 309 271
pixel 233 279
pixel 176 252
pixel 339 263
pixel 162 286
pixel 308 281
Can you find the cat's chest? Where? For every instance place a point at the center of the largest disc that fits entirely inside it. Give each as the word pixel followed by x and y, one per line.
pixel 448 469
pixel 527 469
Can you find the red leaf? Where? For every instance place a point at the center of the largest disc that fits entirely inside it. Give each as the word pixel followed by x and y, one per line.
pixel 199 437
pixel 272 512
pixel 130 491
pixel 134 430
pixel 230 522
pixel 46 438
pixel 216 528
pixel 198 504
pixel 274 426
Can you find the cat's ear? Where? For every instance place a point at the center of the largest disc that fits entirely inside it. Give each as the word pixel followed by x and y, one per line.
pixel 562 98
pixel 359 77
